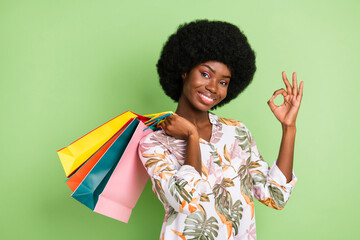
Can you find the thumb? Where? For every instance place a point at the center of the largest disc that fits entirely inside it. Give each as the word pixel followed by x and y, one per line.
pixel 271 103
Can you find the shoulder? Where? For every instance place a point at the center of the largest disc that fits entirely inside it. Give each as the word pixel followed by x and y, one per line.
pixel 160 142
pixel 151 142
pixel 236 129
pixel 155 137
pixel 160 139
pixel 230 122
pixel 230 125
pixel 226 121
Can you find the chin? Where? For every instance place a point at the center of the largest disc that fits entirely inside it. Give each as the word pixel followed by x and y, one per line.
pixel 206 108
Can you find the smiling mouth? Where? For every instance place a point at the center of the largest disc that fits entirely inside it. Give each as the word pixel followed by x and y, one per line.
pixel 206 99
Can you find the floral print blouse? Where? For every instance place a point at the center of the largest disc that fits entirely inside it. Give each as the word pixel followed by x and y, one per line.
pixel 219 203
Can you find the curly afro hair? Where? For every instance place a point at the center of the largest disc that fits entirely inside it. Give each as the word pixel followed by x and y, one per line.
pixel 201 41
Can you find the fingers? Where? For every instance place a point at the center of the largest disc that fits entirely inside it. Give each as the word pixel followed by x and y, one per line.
pixel 280 91
pixel 295 86
pixel 287 84
pixel 299 96
pixel 168 122
pixel 165 123
pixel 277 92
pixel 292 90
pixel 163 126
pixel 271 104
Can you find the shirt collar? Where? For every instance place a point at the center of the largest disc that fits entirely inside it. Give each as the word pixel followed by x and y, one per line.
pixel 214 119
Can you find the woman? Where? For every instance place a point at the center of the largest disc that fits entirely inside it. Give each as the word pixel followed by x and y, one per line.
pixel 206 170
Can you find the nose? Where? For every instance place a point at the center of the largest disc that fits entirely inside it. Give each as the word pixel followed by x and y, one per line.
pixel 211 85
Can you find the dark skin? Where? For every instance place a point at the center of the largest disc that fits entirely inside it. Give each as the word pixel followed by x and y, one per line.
pixel 205 86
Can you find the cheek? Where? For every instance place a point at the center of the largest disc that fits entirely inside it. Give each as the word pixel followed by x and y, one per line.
pixel 192 85
pixel 187 90
pixel 224 93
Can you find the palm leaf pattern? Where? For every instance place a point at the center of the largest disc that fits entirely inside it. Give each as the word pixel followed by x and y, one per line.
pixel 218 203
pixel 214 154
pixel 243 137
pixel 171 215
pixel 259 177
pixel 224 204
pixel 178 191
pixel 246 178
pixel 277 196
pixel 198 226
pixel 235 215
pixel 160 192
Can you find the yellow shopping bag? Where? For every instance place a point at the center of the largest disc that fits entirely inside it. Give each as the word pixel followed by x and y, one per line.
pixel 73 156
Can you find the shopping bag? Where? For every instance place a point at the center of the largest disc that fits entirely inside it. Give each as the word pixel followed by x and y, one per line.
pixel 74 181
pixel 73 156
pixel 126 183
pixel 89 189
pixel 90 162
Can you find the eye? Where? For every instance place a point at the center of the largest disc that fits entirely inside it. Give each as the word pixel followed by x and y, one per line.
pixel 224 83
pixel 205 75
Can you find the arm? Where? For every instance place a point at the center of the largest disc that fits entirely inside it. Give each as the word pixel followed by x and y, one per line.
pixel 286 113
pixel 176 185
pixel 193 155
pixel 286 152
pixel 180 128
pixel 270 185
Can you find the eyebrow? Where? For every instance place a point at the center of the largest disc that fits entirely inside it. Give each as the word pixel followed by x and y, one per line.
pixel 224 76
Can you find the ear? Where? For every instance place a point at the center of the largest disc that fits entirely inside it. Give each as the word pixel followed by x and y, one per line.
pixel 183 76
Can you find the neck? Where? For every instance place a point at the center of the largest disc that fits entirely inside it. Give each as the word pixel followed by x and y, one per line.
pixel 197 117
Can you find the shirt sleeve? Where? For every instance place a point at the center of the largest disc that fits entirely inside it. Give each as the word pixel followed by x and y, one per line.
pixel 269 184
pixel 176 185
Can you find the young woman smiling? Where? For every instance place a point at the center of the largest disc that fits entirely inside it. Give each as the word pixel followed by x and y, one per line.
pixel 207 170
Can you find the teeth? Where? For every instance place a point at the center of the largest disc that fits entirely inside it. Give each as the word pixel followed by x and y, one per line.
pixel 206 97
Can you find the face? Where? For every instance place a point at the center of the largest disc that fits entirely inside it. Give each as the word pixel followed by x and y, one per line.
pixel 205 85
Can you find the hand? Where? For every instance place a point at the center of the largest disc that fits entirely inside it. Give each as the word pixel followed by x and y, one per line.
pixel 286 113
pixel 179 127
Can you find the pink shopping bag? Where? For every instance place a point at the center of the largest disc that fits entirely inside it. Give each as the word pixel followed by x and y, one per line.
pixel 126 182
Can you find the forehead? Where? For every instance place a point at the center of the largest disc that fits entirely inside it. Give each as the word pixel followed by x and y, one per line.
pixel 216 66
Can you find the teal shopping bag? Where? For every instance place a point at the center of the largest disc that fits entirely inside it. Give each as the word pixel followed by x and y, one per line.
pixel 94 183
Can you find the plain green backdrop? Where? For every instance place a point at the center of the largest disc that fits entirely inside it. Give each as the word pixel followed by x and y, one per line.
pixel 68 66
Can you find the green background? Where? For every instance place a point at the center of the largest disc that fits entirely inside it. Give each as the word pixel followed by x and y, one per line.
pixel 68 66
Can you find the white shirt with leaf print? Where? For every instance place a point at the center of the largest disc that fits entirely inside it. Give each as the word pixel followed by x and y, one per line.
pixel 219 203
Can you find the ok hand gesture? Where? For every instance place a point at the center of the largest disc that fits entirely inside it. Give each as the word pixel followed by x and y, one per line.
pixel 286 113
